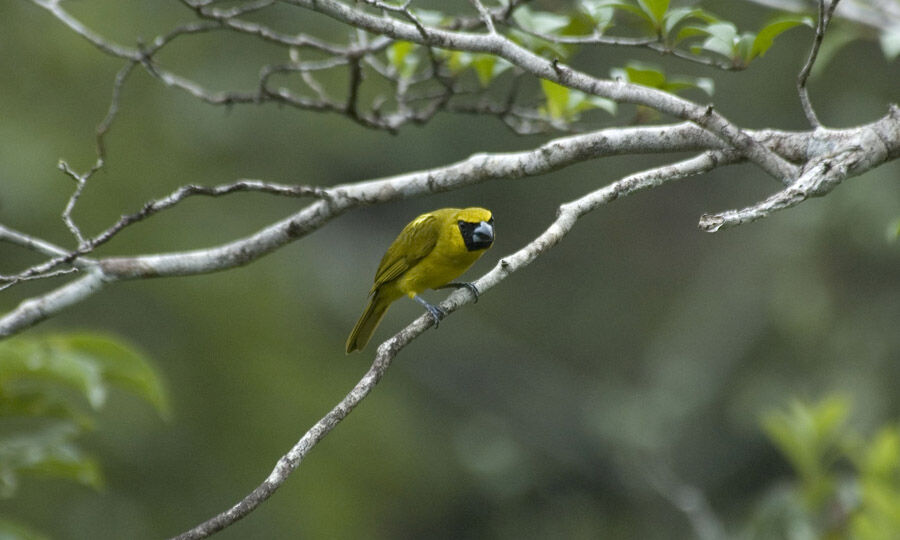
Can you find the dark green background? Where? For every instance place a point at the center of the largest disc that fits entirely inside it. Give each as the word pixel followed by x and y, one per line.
pixel 638 348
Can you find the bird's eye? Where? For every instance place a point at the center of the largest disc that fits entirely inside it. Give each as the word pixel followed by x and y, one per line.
pixel 491 221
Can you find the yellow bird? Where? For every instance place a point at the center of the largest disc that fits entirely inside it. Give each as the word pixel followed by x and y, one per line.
pixel 430 252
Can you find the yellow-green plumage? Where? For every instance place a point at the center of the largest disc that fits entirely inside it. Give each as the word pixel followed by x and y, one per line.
pixel 430 252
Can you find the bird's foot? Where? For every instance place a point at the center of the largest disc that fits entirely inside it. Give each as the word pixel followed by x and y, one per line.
pixel 463 285
pixel 436 313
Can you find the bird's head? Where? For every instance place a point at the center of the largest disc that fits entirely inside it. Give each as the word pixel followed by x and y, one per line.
pixel 477 228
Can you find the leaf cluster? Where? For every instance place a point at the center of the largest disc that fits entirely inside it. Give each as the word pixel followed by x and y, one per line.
pixel 847 485
pixel 51 388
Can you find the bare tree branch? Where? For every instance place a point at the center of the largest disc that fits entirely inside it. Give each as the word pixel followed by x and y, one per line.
pixel 821 175
pixel 849 151
pixel 337 200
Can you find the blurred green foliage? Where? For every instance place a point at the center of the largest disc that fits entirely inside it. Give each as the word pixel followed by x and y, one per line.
pixel 45 383
pixel 847 486
pixel 638 344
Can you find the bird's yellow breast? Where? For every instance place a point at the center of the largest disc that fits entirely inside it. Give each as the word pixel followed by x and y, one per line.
pixel 446 262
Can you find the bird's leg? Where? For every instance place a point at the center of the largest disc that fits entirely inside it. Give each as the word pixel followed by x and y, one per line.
pixel 461 285
pixel 436 313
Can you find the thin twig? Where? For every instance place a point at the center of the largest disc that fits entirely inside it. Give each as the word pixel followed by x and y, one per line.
pixel 821 26
pixel 80 183
pixel 485 16
pixel 13 280
pixel 32 243
pixel 653 44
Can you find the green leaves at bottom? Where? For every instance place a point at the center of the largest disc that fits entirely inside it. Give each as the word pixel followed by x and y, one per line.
pixel 50 388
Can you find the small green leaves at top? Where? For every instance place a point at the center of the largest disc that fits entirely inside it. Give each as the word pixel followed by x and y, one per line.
pixel 662 22
pixel 766 36
pixel 723 38
pixel 565 104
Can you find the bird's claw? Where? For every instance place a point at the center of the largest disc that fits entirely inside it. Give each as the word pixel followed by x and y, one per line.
pixel 436 313
pixel 467 285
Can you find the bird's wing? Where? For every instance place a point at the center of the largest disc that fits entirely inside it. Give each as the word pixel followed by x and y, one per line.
pixel 415 241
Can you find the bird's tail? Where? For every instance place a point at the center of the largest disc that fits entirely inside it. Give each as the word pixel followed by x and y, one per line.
pixel 367 323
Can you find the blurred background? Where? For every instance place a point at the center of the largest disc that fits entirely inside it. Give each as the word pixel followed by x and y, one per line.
pixel 617 388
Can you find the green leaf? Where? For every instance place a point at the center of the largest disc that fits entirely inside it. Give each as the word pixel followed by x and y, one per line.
pixel 540 22
pixel 564 103
pixel 457 61
pixel 122 365
pixel 42 404
pixel 687 32
pixel 43 417
pixel 679 15
pixel 557 97
pixel 40 360
pixel 601 12
pixel 811 438
pixel 47 451
pixel 645 75
pixel 487 67
pixel 484 68
pixel 766 36
pixel 89 363
pixel 656 9
pixel 722 38
pixel 643 14
pixel 743 48
pixel 399 56
pixel 881 457
pixel 654 77
pixel 705 84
